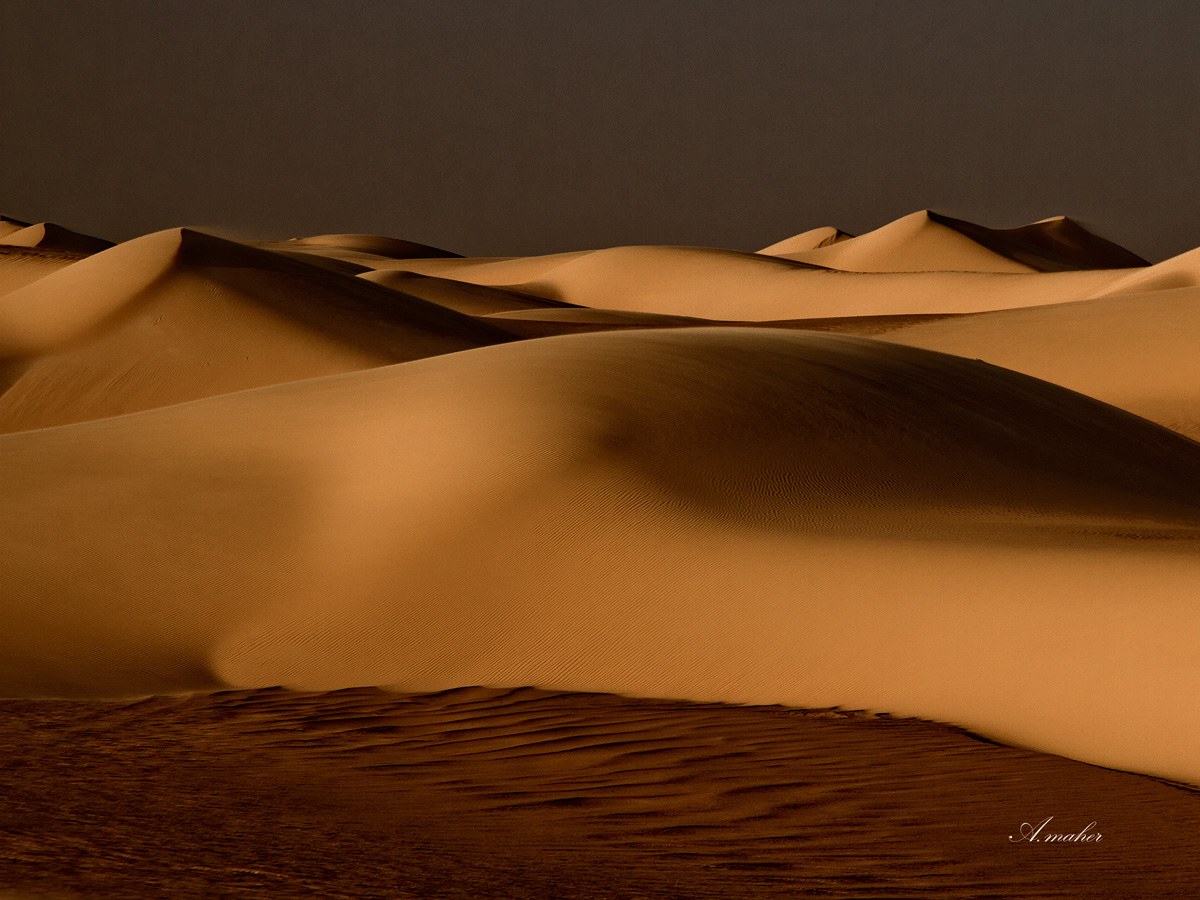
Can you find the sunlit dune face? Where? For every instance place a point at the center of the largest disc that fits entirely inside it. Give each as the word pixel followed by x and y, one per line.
pixel 709 475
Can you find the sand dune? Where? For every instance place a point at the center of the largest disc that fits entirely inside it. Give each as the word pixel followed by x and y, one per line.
pixel 20 266
pixel 9 226
pixel 179 315
pixel 1050 245
pixel 1177 272
pixel 918 473
pixel 730 285
pixel 929 241
pixel 1136 351
pixel 369 251
pixel 461 296
pixel 375 244
pixel 807 240
pixel 48 236
pixel 853 520
pixel 919 242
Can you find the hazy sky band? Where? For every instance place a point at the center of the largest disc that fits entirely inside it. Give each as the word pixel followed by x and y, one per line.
pixel 498 128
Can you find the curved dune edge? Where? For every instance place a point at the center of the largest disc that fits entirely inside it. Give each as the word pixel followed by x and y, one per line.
pixel 729 285
pixel 180 315
pixel 856 523
pixel 807 240
pixel 48 236
pixel 1177 272
pixel 930 241
pixel 1134 351
pixel 20 266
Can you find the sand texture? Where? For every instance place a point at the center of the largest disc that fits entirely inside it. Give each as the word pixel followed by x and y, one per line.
pixel 536 794
pixel 532 567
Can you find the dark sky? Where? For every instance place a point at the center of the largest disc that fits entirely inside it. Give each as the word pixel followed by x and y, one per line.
pixel 499 127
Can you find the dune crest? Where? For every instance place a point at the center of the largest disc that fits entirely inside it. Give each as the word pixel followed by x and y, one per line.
pixel 515 515
pixel 9 226
pixel 1135 351
pixel 1050 245
pixel 1177 272
pixel 376 245
pixel 912 472
pixel 919 242
pixel 930 241
pixel 731 285
pixel 812 239
pixel 179 315
pixel 48 236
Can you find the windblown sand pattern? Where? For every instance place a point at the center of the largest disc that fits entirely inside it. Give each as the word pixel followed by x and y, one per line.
pixel 533 794
pixel 467 511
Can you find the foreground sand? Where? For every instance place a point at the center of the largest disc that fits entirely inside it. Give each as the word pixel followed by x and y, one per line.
pixel 936 471
pixel 533 794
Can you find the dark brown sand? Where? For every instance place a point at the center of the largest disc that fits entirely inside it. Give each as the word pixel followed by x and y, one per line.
pixel 476 793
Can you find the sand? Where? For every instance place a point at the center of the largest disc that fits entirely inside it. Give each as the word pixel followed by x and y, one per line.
pixel 635 509
pixel 179 315
pixel 535 794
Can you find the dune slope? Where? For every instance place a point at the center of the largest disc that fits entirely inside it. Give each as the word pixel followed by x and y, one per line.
pixel 1135 351
pixel 178 315
pixel 730 285
pixel 1051 245
pixel 20 266
pixel 855 523
pixel 918 242
pixel 930 241
pixel 48 236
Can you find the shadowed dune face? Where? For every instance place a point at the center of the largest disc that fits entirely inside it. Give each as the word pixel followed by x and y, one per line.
pixel 461 296
pixel 20 266
pixel 524 514
pixel 920 242
pixel 179 315
pixel 48 236
pixel 376 245
pixel 1177 272
pixel 365 251
pixel 927 241
pixel 1051 245
pixel 323 464
pixel 807 240
pixel 1136 351
pixel 722 284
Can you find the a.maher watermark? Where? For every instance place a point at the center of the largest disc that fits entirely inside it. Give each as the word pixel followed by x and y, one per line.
pixel 1037 834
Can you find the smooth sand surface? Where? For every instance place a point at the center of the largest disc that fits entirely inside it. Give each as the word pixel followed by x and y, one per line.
pixel 728 285
pixel 179 315
pixel 461 296
pixel 852 520
pixel 929 241
pixel 48 236
pixel 20 266
pixel 915 489
pixel 1135 351
pixel 915 243
pixel 368 251
pixel 807 240
pixel 1177 272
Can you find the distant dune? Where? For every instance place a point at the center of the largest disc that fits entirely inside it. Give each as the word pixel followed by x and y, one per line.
pixel 936 470
pixel 179 315
pixel 723 284
pixel 1135 351
pixel 48 236
pixel 928 241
